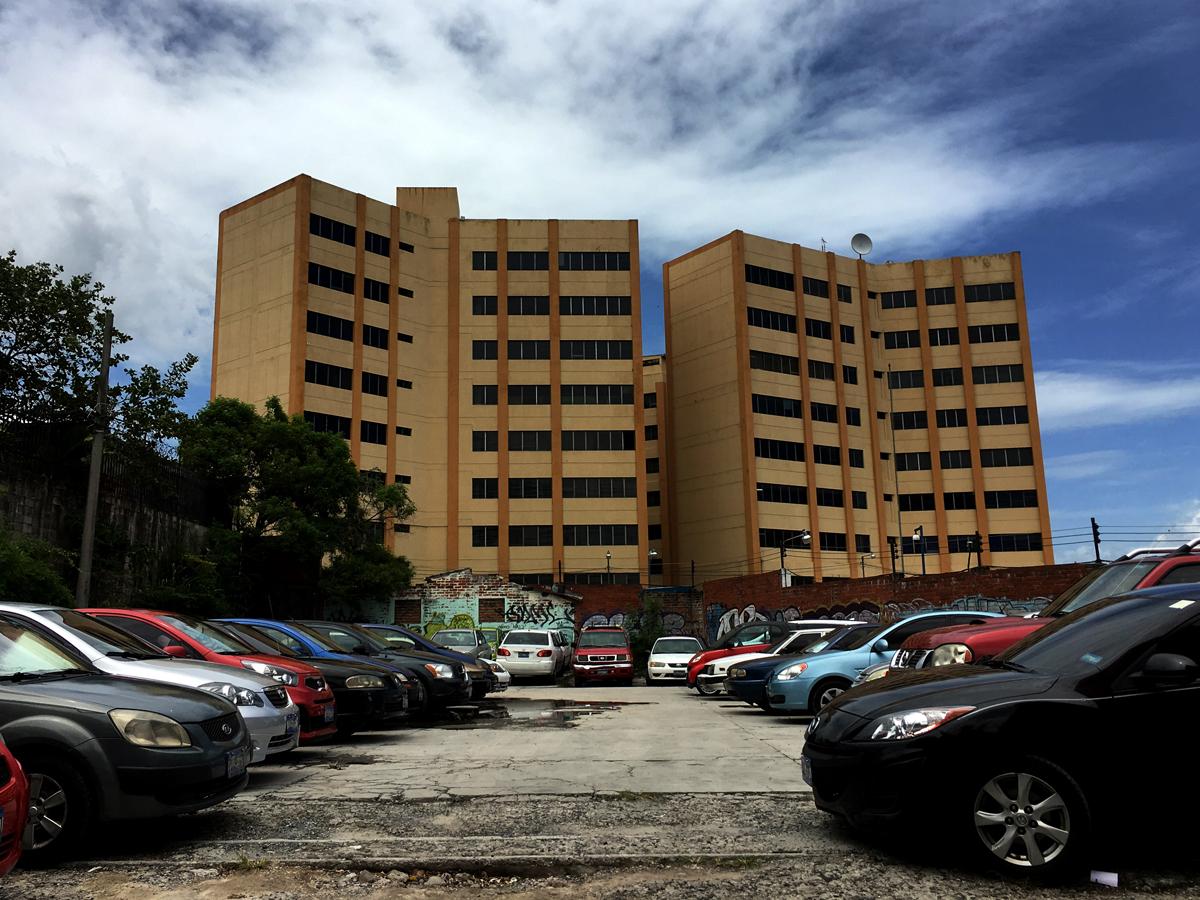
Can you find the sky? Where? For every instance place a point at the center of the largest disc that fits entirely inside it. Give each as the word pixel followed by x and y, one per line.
pixel 1067 130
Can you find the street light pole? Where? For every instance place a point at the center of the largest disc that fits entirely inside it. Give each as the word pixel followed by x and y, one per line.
pixel 608 565
pixel 862 562
pixel 919 540
pixel 83 587
pixel 805 539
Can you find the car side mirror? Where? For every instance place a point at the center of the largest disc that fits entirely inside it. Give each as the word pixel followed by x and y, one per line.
pixel 177 651
pixel 1169 669
pixel 881 646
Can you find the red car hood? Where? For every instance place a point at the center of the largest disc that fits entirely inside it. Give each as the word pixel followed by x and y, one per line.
pixel 984 640
pixel 601 651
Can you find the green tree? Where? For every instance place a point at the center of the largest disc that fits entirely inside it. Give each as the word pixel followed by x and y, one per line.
pixel 29 571
pixel 645 627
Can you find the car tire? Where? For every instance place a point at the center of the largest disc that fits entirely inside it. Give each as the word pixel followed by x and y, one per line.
pixel 1061 840
pixel 766 707
pixel 64 798
pixel 478 691
pixel 707 690
pixel 825 692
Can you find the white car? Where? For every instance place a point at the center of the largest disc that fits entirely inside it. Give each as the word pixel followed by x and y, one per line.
pixel 503 677
pixel 669 659
pixel 536 652
pixel 270 715
pixel 804 633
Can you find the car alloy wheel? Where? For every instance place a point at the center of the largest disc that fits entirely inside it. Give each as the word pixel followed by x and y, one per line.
pixel 828 694
pixel 48 812
pixel 1022 820
pixel 707 690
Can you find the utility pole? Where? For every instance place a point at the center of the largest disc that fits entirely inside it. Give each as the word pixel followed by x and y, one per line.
pixel 83 587
pixel 895 471
pixel 919 540
pixel 1096 538
pixel 693 574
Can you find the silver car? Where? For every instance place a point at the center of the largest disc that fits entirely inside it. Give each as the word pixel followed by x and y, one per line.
pixel 270 716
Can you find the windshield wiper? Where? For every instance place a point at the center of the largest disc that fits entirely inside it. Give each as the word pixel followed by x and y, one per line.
pixel 129 654
pixel 33 676
pixel 997 663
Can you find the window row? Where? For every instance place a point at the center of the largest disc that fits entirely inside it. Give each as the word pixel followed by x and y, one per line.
pixel 539 260
pixel 541 488
pixel 957 418
pixel 488 442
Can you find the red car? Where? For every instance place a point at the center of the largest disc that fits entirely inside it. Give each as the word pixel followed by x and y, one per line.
pixel 177 634
pixel 749 638
pixel 603 654
pixel 14 808
pixel 1138 569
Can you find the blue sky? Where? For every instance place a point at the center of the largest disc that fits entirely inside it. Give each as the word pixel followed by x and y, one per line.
pixel 1067 130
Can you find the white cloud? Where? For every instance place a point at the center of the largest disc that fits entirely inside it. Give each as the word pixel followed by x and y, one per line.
pixel 129 126
pixel 1088 464
pixel 1101 394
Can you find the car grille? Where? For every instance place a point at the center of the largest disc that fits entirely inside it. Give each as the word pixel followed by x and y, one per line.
pixel 909 659
pixel 277 695
pixel 223 728
pixel 595 657
pixel 316 682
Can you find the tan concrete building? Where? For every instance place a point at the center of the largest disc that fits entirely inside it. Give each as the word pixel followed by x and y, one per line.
pixel 492 365
pixel 658 501
pixel 859 402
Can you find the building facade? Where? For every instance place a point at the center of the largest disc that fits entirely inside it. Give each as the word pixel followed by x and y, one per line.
pixel 888 411
pixel 491 365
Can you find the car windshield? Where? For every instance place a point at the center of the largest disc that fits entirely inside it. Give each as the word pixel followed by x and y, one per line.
pixel 256 639
pixel 676 645
pixel 853 638
pixel 107 639
pixel 346 639
pixel 603 639
pixel 318 637
pixel 393 638
pixel 1105 582
pixel 25 652
pixel 207 636
pixel 540 638
pixel 455 638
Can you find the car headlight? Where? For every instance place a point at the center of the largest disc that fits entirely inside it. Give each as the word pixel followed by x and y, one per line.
pixel 365 682
pixel 795 670
pixel 875 675
pixel 913 722
pixel 737 672
pixel 950 654
pixel 262 668
pixel 439 670
pixel 233 693
pixel 147 729
pixel 694 660
pixel 657 665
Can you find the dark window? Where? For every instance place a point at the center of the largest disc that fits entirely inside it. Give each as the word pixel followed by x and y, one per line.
pixel 820 370
pixel 956 459
pixel 597 440
pixel 404 383
pixel 534 441
pixel 960 543
pixel 330 326
pixel 407 248
pixel 483 305
pixel 999 457
pixel 485 488
pixel 774 362
pixel 652 432
pixel 991 334
pixel 916 502
pixel 958 499
pixel 897 299
pixel 530 488
pixel 1002 415
pixel 898 340
pixel 1001 374
pixel 596 394
pixel 375 290
pixel 529 394
pixel 328 423
pixel 404 338
pixel 850 374
pixel 774 278
pixel 598 488
pixel 1014 543
pixel 782 493
pixel 976 293
pixel 928 544
pixel 595 306
pixel 401 528
pixel 653 498
pixel 484 395
pixel 652 465
pixel 656 565
pixel 829 497
pixel 404 430
pixel 403 479
pixel 483 349
pixel 649 400
pixel 951 418
pixel 765 318
pixel 855 456
pixel 1181 574
pixel 1010 499
pixel 847 333
pixel 483 260
pixel 528 261
pixel 528 349
pixel 907 421
pixel 484 442
pixel 906 378
pixel 331 229
pixel 776 406
pixel 769 448
pixel 832 541
pixel 939 296
pixel 373 432
pixel 843 293
pixel 862 543
pixel 530 535
pixel 404 292
pixel 485 535
pixel 328 375
pixel 375 337
pixel 595 349
pixel 377 243
pixel 374 384
pixel 853 416
pixel 600 535
pixel 780 537
pixel 859 499
pixel 598 261
pixel 815 287
pixel 943 337
pixel 913 462
pixel 947 377
pixel 334 279
pixel 826 455
pixel 818 328
pixel 654 532
pixel 824 412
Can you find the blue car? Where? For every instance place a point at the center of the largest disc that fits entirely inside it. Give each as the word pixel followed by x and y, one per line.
pixel 806 684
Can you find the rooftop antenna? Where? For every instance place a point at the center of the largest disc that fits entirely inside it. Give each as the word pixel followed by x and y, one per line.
pixel 861 244
pixel 823 245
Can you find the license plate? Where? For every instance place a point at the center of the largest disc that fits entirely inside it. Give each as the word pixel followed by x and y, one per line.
pixel 522 654
pixel 293 723
pixel 330 713
pixel 806 770
pixel 235 762
pixel 602 671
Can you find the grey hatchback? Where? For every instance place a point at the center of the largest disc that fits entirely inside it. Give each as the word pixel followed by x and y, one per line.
pixel 98 748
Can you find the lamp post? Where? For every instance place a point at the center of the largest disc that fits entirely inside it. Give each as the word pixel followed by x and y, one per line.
pixel 919 540
pixel 608 565
pixel 862 562
pixel 805 539
pixel 653 557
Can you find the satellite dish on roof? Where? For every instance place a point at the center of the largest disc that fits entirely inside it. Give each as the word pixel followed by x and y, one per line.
pixel 861 244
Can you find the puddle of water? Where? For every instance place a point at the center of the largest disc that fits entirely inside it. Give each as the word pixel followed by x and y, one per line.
pixel 522 712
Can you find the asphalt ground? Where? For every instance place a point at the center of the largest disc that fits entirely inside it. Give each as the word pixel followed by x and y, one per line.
pixel 545 791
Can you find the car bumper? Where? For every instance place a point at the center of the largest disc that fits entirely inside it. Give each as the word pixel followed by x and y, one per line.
pixel 272 729
pixel 361 707
pixel 717 681
pixel 789 696
pixel 533 665
pixel 14 806
pixel 318 716
pixel 750 690
pixel 159 790
pixel 620 671
pixel 678 676
pixel 871 786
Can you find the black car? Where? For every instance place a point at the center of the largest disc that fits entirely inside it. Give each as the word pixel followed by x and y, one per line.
pixel 358 708
pixel 1081 735
pixel 445 681
pixel 97 748
pixel 479 668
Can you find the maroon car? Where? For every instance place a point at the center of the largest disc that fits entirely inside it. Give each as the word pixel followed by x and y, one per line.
pixel 1141 568
pixel 603 654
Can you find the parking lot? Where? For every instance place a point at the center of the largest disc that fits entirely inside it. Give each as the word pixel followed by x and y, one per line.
pixel 546 790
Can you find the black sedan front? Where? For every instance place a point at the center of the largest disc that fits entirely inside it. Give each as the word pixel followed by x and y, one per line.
pixel 1038 757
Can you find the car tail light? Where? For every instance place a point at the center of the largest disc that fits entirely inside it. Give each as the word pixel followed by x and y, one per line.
pixel 544 653
pixel 503 651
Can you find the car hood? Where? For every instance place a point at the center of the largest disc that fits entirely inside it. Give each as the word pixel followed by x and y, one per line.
pixel 737 659
pixel 183 672
pixel 671 657
pixel 608 649
pixel 343 668
pixel 963 634
pixel 100 693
